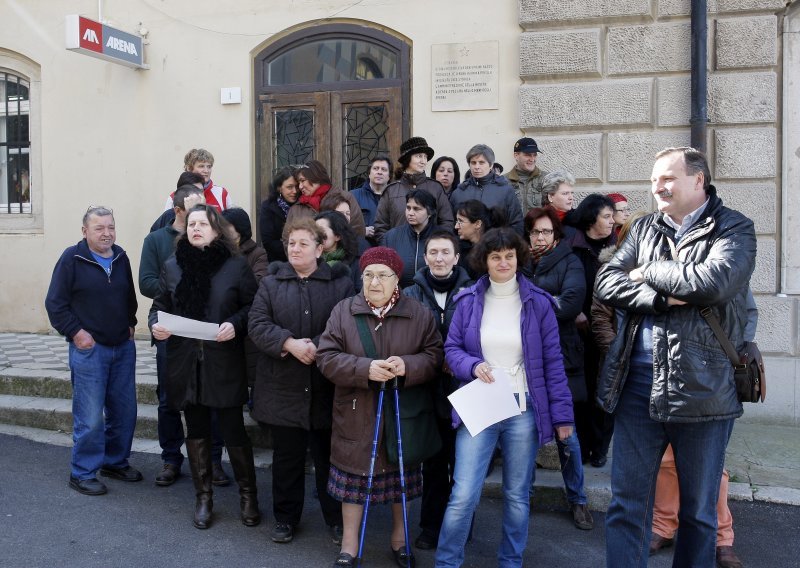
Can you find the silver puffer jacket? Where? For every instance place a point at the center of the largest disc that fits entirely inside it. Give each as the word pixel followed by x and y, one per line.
pixel 692 376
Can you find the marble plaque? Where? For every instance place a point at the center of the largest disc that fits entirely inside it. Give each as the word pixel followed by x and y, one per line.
pixel 464 76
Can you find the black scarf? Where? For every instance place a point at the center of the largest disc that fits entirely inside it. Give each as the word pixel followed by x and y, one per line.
pixel 441 284
pixel 198 266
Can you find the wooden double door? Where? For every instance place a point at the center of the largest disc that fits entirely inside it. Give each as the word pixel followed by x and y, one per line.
pixel 342 129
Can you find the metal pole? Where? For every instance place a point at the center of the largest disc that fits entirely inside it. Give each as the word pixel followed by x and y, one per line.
pixel 402 473
pixel 699 76
pixel 371 474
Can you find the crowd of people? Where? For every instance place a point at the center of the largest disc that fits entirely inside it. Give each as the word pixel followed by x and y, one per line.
pixel 413 287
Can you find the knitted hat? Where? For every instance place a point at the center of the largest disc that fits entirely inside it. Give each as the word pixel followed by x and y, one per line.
pixel 415 145
pixel 617 197
pixel 382 255
pixel 240 220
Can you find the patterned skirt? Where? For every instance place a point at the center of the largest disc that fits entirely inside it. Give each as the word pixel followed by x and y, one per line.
pixel 352 488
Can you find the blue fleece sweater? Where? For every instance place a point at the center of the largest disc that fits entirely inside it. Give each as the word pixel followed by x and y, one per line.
pixel 82 295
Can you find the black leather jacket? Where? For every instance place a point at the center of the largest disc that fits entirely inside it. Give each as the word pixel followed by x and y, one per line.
pixel 692 377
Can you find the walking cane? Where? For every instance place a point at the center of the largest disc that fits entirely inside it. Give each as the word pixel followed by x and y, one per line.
pixel 400 463
pixel 371 474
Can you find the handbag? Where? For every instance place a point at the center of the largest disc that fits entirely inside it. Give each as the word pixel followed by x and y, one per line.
pixel 748 366
pixel 418 426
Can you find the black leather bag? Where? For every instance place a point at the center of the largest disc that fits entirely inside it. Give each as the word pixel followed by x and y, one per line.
pixel 748 366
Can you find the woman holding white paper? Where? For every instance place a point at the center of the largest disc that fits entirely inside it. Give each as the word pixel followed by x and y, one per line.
pixel 208 280
pixel 504 323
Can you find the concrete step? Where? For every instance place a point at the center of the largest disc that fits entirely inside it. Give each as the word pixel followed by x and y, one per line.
pixel 50 413
pixel 57 384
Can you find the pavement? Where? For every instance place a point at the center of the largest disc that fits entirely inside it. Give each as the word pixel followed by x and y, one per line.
pixel 763 459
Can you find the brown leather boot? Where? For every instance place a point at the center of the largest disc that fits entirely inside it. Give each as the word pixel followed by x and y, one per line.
pixel 244 471
pixel 199 452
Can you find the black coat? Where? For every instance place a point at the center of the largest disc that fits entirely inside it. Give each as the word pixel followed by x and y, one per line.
pixel 287 392
pixel 210 373
pixel 560 273
pixel 271 221
pixel 410 245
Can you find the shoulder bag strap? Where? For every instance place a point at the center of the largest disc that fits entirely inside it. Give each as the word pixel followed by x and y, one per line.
pixel 366 339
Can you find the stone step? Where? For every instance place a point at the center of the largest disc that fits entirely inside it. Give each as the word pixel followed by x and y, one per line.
pixel 57 384
pixel 50 413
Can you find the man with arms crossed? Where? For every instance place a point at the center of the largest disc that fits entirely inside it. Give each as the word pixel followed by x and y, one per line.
pixel 666 376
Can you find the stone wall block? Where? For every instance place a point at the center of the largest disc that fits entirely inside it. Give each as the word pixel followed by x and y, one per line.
pixel 649 49
pixel 579 155
pixel 745 153
pixel 631 154
pixel 674 105
pixel 639 197
pixel 586 104
pixel 559 53
pixel 742 98
pixel 776 320
pixel 763 279
pixel 683 7
pixel 747 42
pixel 537 12
pixel 756 200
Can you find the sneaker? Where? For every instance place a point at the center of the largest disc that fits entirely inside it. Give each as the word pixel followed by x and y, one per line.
pixel 582 517
pixel 91 486
pixel 336 534
pixel 168 474
pixel 218 476
pixel 126 473
pixel 282 532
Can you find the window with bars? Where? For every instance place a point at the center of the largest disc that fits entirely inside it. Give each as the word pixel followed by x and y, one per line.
pixel 15 145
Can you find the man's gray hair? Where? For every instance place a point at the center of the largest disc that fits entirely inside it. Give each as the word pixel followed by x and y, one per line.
pixel 553 181
pixel 695 161
pixel 98 210
pixel 481 150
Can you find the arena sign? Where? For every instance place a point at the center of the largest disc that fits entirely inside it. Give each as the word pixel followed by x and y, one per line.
pixel 104 42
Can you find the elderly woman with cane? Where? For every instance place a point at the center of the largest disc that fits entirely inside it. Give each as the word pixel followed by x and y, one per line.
pixel 375 341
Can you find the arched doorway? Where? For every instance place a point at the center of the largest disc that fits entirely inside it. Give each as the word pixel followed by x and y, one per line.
pixel 337 93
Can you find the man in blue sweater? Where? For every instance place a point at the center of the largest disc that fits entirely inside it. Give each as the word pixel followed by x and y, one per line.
pixel 92 302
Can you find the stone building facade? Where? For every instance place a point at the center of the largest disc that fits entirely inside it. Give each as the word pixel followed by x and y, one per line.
pixel 606 85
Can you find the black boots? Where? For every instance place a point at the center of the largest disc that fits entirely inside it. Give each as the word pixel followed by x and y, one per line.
pixel 199 451
pixel 244 471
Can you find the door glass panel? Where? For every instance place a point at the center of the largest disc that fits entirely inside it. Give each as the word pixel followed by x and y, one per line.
pixel 331 61
pixel 294 137
pixel 364 132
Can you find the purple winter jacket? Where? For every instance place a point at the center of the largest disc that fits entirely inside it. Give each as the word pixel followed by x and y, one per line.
pixel 544 364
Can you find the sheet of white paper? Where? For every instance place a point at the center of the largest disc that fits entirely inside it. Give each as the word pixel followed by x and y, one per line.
pixel 186 327
pixel 482 404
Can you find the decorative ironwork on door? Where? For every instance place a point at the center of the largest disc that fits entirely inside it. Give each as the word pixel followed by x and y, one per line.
pixel 365 128
pixel 294 138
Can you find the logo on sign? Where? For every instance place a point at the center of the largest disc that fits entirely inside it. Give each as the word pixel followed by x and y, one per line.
pixel 89 35
pixel 121 45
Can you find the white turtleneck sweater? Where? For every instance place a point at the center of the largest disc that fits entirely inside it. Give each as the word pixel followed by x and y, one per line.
pixel 501 340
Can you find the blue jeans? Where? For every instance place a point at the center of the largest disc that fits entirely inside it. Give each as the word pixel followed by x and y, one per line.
pixel 639 443
pixel 103 381
pixel 569 454
pixel 170 426
pixel 519 440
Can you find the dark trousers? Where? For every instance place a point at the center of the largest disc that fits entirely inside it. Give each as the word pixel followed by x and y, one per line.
pixel 229 420
pixel 170 427
pixel 437 481
pixel 288 473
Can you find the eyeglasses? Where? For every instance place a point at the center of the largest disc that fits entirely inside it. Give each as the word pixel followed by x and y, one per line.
pixel 382 276
pixel 623 210
pixel 544 232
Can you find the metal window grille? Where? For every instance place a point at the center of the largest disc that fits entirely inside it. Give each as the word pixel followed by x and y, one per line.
pixel 15 145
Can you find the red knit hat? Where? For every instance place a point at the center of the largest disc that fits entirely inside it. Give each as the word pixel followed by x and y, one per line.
pixel 617 197
pixel 382 255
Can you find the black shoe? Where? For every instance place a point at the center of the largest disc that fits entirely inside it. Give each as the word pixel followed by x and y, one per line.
pixel 402 559
pixel 336 534
pixel 282 533
pixel 126 473
pixel 91 486
pixel 582 517
pixel 599 460
pixel 344 559
pixel 426 541
pixel 218 476
pixel 168 474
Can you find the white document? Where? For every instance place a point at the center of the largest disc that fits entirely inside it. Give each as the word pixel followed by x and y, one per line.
pixel 186 327
pixel 482 404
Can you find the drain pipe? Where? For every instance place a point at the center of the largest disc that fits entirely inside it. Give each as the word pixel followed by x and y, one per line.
pixel 699 117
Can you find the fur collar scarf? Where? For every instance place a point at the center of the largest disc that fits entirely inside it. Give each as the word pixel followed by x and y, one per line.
pixel 197 266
